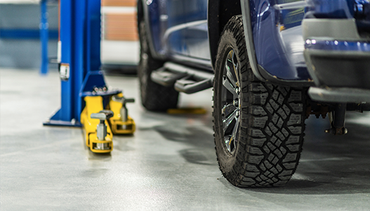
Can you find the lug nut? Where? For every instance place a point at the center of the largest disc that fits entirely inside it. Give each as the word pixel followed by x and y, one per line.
pixel 236 103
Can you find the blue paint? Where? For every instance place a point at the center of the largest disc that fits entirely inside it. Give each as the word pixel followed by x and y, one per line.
pixel 94 30
pixel 276 30
pixel 349 9
pixel 362 10
pixel 164 15
pixel 80 39
pixel 337 45
pixel 92 79
pixel 332 8
pixel 155 25
pixel 65 113
pixel 44 28
pixel 26 34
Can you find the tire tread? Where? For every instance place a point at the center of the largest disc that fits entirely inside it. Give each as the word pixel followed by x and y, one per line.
pixel 272 123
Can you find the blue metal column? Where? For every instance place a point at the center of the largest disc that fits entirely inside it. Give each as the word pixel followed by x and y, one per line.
pixel 65 116
pixel 79 67
pixel 72 34
pixel 94 78
pixel 80 47
pixel 44 37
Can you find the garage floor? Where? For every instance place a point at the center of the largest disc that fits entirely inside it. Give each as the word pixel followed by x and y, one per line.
pixel 169 164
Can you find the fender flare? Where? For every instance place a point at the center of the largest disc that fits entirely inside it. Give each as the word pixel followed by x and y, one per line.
pixel 143 13
pixel 214 31
pixel 217 19
pixel 247 25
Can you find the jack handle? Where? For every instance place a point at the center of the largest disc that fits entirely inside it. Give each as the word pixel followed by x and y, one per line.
pixel 101 129
pixel 124 111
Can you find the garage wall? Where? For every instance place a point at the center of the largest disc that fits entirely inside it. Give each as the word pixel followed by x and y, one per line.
pixel 119 34
pixel 119 20
pixel 120 44
pixel 25 53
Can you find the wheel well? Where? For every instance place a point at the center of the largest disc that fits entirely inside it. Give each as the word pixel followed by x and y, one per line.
pixel 219 13
pixel 143 16
pixel 139 11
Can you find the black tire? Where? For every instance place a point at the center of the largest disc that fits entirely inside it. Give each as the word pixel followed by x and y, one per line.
pixel 154 97
pixel 258 126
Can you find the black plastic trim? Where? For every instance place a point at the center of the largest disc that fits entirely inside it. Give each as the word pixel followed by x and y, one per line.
pixel 213 28
pixel 339 68
pixel 247 24
pixel 339 95
pixel 144 6
pixel 201 64
pixel 273 79
pixel 166 78
pixel 190 86
pixel 185 79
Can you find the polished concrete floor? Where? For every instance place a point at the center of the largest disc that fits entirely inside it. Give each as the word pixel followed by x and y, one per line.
pixel 169 163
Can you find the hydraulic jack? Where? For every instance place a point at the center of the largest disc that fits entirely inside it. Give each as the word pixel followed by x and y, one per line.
pixel 101 142
pixel 100 124
pixel 98 135
pixel 121 122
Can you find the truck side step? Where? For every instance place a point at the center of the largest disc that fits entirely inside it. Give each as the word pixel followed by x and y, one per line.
pixel 183 78
pixel 166 78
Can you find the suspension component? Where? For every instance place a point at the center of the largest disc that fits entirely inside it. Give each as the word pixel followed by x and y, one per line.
pixel 337 119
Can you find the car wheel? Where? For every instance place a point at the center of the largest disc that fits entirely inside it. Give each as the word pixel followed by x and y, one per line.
pixel 258 126
pixel 154 97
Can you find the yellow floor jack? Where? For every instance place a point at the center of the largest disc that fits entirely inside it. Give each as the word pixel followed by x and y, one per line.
pixel 100 124
pixel 121 122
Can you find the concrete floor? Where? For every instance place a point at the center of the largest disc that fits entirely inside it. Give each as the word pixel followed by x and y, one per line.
pixel 169 164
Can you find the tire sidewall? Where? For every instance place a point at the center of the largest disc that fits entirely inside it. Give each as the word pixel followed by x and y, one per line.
pixel 145 60
pixel 226 159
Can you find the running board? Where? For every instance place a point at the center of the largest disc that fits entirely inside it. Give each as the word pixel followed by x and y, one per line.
pixel 184 79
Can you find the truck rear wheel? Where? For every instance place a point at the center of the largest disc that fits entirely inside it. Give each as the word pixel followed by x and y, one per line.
pixel 259 127
pixel 154 97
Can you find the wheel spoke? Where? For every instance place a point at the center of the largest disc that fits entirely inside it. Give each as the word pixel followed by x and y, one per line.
pixel 227 109
pixel 235 67
pixel 229 74
pixel 229 119
pixel 235 132
pixel 229 86
pixel 231 140
pixel 227 142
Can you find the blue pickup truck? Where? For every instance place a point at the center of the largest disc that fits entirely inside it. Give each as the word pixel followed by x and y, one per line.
pixel 271 63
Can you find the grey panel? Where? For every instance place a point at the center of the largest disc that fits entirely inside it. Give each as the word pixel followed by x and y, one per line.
pixel 22 53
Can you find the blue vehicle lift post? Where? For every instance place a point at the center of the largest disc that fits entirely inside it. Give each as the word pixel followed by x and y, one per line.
pixel 103 112
pixel 80 59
